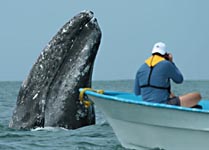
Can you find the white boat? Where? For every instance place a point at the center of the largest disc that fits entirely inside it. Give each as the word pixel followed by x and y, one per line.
pixel 143 125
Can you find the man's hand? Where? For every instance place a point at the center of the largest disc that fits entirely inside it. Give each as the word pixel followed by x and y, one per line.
pixel 172 95
pixel 170 57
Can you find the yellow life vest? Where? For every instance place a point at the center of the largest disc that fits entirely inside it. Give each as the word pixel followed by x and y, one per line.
pixel 154 60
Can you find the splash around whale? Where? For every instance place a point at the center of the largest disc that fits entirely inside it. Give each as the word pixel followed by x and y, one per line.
pixel 50 96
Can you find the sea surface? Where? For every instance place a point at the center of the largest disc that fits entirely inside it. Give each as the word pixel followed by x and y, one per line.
pixel 95 137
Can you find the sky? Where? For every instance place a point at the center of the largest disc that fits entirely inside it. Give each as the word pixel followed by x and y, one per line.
pixel 130 28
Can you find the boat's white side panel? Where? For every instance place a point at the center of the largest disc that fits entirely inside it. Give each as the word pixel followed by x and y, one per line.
pixel 140 126
pixel 143 136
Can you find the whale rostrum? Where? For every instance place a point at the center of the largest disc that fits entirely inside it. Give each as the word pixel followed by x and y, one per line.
pixel 49 96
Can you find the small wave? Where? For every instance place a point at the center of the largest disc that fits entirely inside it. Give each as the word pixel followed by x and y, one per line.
pixel 7 147
pixel 1 126
pixel 54 129
pixel 14 135
pixel 105 124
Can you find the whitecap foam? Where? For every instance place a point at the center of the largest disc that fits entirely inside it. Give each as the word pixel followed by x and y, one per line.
pixel 49 129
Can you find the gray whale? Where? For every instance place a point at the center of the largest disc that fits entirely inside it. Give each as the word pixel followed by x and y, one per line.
pixel 50 94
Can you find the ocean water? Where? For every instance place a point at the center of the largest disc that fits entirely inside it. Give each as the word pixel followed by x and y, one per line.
pixel 95 137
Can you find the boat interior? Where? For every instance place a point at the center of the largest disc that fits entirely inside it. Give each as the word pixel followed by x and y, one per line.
pixel 203 105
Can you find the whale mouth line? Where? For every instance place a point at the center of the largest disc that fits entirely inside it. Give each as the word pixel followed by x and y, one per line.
pixel 63 62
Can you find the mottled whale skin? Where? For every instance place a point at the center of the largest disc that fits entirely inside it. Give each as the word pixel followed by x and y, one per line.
pixel 50 94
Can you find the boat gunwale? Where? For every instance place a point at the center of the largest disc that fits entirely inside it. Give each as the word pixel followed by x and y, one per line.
pixel 108 96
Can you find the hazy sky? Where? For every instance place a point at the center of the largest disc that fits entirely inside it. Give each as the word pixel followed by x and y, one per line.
pixel 129 27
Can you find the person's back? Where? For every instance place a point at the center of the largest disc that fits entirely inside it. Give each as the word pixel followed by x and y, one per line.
pixel 155 85
pixel 152 80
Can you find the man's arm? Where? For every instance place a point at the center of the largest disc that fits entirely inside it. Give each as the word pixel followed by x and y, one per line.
pixel 175 73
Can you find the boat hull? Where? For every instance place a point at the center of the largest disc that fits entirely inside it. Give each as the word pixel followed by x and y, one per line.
pixel 145 137
pixel 144 126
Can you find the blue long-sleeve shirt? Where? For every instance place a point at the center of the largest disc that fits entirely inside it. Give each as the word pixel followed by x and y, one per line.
pixel 161 75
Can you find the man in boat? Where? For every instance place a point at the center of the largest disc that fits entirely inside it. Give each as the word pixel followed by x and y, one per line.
pixel 153 80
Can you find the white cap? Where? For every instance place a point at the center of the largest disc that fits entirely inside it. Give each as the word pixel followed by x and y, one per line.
pixel 159 47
